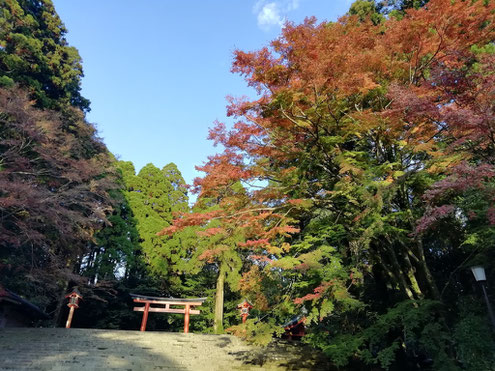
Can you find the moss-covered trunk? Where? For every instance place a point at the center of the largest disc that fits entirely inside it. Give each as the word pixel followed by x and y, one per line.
pixel 219 297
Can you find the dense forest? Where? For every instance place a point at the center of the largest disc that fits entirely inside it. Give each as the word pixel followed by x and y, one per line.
pixel 355 191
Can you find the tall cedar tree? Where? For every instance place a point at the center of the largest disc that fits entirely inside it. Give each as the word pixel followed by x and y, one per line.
pixel 154 196
pixel 34 53
pixel 115 253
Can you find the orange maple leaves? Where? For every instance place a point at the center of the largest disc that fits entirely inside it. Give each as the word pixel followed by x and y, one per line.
pixel 302 79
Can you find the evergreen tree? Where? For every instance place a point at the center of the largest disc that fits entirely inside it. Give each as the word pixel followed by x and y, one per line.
pixel 34 53
pixel 154 195
pixel 401 5
pixel 366 9
pixel 116 253
pixel 178 195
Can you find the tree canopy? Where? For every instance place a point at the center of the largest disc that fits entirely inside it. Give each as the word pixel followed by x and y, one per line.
pixel 35 54
pixel 371 137
pixel 353 192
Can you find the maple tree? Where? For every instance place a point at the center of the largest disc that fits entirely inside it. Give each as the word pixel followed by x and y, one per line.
pixel 54 194
pixel 65 202
pixel 356 122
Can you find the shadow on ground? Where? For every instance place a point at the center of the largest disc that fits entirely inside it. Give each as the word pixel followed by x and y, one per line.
pixel 79 349
pixel 89 349
pixel 285 355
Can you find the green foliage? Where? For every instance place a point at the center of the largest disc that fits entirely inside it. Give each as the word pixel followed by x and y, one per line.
pixel 34 53
pixel 116 251
pixel 6 82
pixel 343 349
pixel 474 343
pixel 256 332
pixel 153 196
pixel 366 9
pixel 366 128
pixel 410 327
pixel 393 7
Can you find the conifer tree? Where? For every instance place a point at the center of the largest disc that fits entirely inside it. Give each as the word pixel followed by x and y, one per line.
pixel 115 253
pixel 35 54
pixel 154 195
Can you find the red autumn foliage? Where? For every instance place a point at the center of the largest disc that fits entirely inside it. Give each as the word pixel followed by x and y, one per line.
pixel 255 243
pixel 318 292
pixel 260 258
pixel 211 254
pixel 51 190
pixel 433 104
pixel 54 178
pixel 188 220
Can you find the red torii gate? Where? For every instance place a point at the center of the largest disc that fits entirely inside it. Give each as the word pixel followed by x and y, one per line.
pixel 163 306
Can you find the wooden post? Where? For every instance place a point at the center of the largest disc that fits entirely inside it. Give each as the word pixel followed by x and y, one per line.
pixel 186 319
pixel 69 319
pixel 145 316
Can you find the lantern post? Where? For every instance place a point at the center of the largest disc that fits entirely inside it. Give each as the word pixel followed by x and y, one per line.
pixel 480 276
pixel 244 308
pixel 73 303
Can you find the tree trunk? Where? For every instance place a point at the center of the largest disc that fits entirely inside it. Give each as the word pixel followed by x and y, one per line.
pixel 57 314
pixel 425 271
pixel 218 322
pixel 411 274
pixel 397 271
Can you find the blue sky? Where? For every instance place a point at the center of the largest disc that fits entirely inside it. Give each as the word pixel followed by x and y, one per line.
pixel 157 71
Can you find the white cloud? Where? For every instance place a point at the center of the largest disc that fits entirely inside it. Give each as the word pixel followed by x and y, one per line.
pixel 269 15
pixel 273 13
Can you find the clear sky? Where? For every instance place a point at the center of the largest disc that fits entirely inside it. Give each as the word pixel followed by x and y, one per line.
pixel 157 71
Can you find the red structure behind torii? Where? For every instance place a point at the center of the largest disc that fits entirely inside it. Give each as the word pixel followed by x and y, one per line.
pixel 163 305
